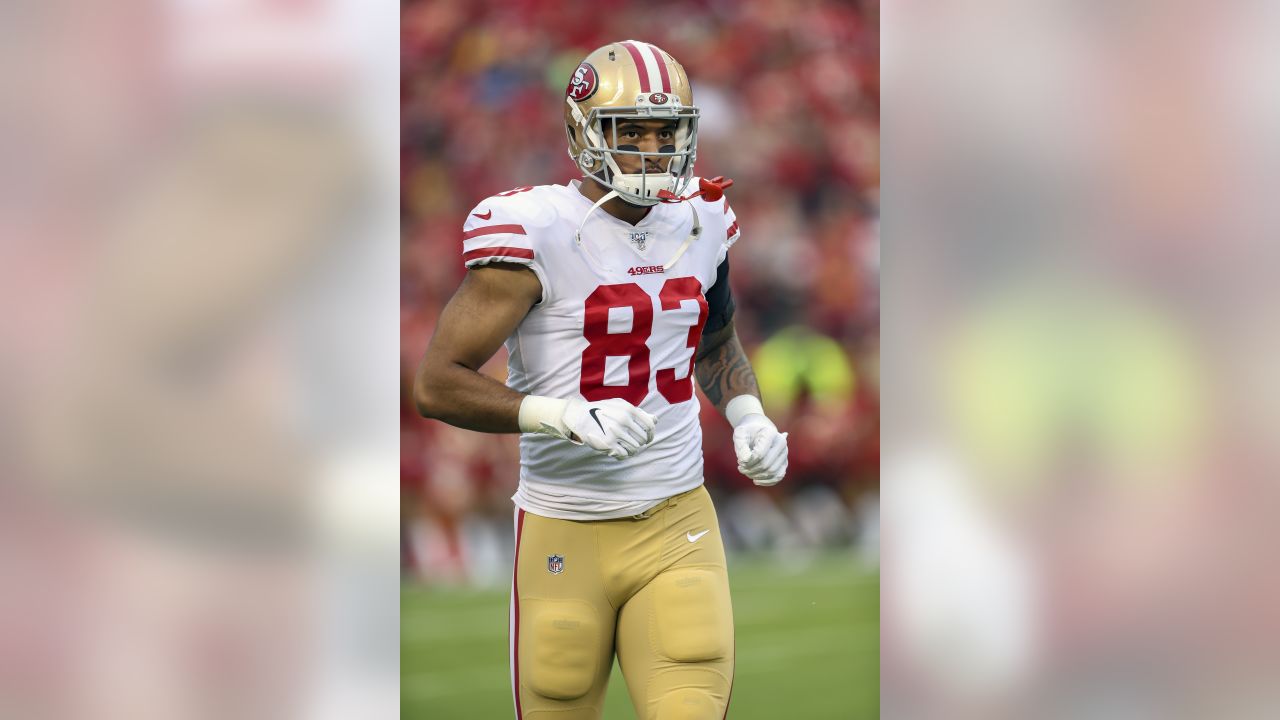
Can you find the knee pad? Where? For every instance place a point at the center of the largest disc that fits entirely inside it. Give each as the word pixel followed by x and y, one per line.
pixel 559 647
pixel 687 704
pixel 693 618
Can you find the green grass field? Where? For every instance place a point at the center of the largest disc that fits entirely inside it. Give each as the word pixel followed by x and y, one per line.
pixel 808 647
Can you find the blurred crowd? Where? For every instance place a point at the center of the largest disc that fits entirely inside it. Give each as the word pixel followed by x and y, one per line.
pixel 1081 455
pixel 196 246
pixel 790 101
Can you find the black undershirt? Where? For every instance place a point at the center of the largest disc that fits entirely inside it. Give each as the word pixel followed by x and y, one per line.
pixel 719 301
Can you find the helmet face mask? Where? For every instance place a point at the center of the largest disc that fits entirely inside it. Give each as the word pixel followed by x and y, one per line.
pixel 616 83
pixel 606 158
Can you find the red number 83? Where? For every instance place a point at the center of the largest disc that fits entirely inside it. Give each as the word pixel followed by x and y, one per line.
pixel 633 345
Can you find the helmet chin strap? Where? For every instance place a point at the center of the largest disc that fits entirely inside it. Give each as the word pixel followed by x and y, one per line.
pixel 694 234
pixel 709 190
pixel 578 235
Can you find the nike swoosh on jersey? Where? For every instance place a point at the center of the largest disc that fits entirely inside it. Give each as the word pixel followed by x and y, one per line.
pixel 593 417
pixel 694 538
pixel 485 216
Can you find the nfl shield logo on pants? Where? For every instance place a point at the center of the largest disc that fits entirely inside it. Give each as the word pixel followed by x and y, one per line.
pixel 555 564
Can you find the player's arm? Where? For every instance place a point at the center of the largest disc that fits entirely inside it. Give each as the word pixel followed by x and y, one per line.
pixel 491 302
pixel 722 367
pixel 482 314
pixel 724 373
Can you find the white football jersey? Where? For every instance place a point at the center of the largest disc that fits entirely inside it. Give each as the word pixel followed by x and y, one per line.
pixel 612 323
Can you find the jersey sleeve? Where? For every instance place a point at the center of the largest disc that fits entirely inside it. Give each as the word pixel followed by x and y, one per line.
pixel 732 233
pixel 496 231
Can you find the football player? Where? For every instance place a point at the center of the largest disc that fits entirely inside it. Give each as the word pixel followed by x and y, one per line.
pixel 611 294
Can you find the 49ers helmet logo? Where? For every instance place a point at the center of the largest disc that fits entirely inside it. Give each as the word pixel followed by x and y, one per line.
pixel 658 99
pixel 583 84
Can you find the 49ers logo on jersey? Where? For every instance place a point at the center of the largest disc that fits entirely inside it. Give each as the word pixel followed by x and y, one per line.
pixel 646 270
pixel 583 84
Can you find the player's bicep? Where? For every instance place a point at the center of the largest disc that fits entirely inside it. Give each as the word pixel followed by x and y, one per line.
pixel 485 310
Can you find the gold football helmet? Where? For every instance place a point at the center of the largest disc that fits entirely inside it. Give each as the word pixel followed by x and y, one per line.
pixel 631 80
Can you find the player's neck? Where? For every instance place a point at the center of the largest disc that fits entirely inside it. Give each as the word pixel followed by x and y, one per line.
pixel 616 206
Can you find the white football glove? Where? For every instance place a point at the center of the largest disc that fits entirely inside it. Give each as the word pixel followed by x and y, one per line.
pixel 614 427
pixel 761 449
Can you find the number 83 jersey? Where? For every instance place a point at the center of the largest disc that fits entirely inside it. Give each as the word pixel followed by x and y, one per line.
pixel 613 322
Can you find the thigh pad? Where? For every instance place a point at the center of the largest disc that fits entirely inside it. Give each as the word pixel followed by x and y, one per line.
pixel 560 647
pixel 693 619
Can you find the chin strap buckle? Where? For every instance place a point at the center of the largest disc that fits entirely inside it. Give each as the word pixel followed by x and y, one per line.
pixel 710 190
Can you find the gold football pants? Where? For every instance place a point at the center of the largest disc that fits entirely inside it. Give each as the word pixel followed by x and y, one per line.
pixel 652 588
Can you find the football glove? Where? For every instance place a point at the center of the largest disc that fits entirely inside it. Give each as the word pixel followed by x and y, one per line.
pixel 761 449
pixel 614 427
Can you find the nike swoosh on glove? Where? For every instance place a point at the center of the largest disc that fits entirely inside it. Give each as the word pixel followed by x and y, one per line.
pixel 614 427
pixel 761 449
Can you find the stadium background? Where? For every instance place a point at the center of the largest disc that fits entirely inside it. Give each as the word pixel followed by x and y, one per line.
pixel 789 91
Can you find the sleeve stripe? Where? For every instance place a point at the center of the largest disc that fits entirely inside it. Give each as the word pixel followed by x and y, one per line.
pixel 733 230
pixel 511 252
pixel 494 230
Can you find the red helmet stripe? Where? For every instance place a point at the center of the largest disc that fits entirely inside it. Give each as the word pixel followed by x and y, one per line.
pixel 662 68
pixel 641 70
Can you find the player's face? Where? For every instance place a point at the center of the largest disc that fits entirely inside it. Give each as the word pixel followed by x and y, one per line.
pixel 650 136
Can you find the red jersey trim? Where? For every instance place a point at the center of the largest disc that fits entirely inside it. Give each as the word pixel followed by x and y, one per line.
pixel 494 230
pixel 511 252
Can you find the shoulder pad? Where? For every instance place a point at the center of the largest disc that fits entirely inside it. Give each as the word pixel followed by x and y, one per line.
pixel 526 206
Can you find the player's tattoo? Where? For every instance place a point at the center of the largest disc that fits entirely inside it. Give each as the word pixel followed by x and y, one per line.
pixel 723 369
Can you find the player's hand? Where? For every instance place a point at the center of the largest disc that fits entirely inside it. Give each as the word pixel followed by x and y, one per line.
pixel 761 449
pixel 614 427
